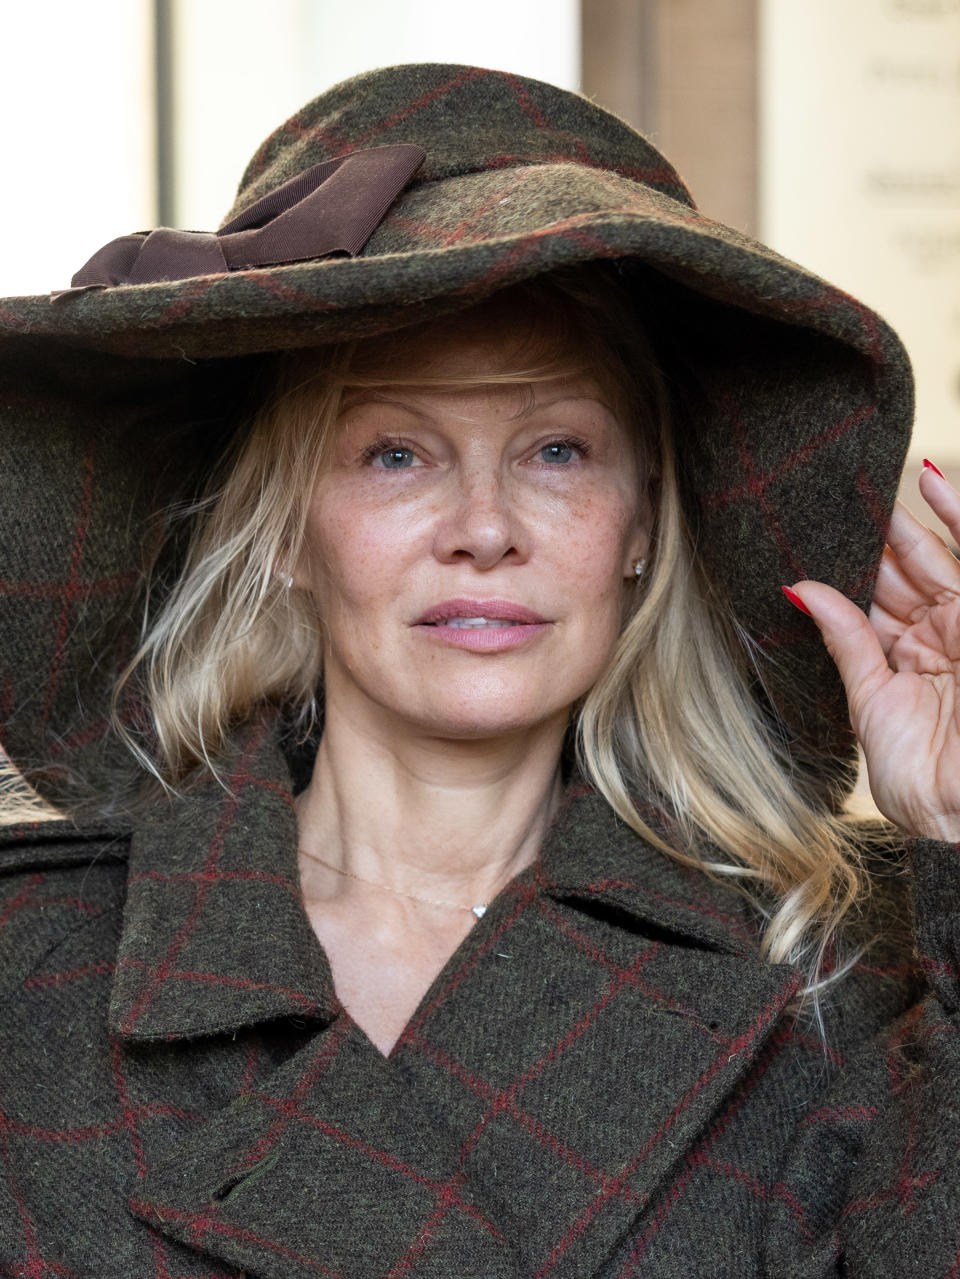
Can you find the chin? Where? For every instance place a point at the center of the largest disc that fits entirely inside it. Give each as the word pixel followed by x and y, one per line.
pixel 491 730
pixel 488 721
pixel 483 706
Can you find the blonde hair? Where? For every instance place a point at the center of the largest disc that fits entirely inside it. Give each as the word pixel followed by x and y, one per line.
pixel 671 730
pixel 19 802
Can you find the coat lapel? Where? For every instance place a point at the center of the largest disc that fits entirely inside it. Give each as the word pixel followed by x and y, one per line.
pixel 579 1052
pixel 215 937
pixel 560 1067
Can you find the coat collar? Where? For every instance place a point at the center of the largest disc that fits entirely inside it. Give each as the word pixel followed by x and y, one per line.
pixel 561 1065
pixel 215 936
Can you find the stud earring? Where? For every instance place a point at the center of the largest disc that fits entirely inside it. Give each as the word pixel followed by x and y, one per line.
pixel 638 567
pixel 289 581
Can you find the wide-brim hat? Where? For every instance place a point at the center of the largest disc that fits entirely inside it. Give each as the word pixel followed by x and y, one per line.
pixel 395 197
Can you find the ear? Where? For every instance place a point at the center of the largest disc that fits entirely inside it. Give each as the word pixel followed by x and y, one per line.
pixel 293 574
pixel 638 543
pixel 286 574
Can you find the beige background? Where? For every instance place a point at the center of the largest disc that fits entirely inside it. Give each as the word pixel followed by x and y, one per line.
pixel 859 163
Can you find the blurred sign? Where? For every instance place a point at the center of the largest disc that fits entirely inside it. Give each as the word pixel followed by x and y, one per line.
pixel 860 171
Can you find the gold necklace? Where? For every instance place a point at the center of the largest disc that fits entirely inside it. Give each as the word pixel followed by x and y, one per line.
pixel 479 910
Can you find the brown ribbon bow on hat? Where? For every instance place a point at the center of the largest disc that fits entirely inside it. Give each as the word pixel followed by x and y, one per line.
pixel 332 207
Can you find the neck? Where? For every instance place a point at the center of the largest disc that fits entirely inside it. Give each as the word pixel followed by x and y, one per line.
pixel 451 820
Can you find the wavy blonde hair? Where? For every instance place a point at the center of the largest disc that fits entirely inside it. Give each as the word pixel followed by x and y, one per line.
pixel 670 728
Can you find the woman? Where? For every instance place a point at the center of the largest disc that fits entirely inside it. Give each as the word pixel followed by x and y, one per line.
pixel 550 954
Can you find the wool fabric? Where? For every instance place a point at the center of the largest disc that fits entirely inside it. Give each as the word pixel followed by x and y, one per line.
pixel 608 1078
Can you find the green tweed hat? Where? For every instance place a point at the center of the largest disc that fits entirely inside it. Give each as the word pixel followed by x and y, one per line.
pixel 398 196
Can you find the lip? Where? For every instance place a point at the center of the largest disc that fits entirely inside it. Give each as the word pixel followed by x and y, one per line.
pixel 496 610
pixel 526 625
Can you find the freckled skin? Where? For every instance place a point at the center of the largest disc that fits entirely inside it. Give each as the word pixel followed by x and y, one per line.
pixel 476 512
pixel 438 769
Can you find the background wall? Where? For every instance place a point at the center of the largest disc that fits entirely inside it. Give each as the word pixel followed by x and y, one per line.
pixel 237 74
pixel 77 105
pixel 859 163
pixel 684 72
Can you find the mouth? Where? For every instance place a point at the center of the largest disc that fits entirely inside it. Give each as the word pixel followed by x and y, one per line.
pixel 480 615
pixel 482 626
pixel 476 623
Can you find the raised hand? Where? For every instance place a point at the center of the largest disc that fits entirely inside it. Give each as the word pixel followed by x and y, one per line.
pixel 901 667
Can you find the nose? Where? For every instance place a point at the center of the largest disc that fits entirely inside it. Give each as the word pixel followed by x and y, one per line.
pixel 480 522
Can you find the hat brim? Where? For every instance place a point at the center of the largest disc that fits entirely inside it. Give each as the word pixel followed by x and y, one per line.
pixel 791 452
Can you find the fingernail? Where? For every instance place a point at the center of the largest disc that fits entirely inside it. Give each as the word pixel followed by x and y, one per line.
pixel 795 600
pixel 936 469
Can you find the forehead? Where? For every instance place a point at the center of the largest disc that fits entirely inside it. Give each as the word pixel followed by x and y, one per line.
pixel 492 349
pixel 487 334
pixel 571 400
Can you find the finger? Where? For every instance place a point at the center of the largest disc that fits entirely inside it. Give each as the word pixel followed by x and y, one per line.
pixel 851 641
pixel 942 498
pixel 922 555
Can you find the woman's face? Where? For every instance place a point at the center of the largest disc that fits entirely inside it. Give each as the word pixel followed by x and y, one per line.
pixel 468 549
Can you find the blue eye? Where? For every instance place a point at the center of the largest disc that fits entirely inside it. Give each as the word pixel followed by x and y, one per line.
pixel 396 459
pixel 557 452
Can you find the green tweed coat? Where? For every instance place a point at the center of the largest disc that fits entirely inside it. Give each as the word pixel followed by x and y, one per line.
pixel 606 1080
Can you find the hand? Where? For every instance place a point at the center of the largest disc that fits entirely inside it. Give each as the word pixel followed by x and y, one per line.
pixel 901 667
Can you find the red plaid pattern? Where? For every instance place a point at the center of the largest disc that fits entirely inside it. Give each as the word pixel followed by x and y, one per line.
pixel 605 1080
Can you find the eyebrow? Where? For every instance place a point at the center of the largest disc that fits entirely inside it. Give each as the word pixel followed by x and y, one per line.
pixel 375 397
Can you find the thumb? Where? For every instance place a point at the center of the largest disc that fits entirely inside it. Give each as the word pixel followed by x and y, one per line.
pixel 850 639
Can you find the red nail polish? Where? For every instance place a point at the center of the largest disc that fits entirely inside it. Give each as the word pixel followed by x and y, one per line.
pixel 936 469
pixel 795 600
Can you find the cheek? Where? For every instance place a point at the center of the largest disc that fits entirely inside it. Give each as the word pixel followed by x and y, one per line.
pixel 594 535
pixel 353 549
